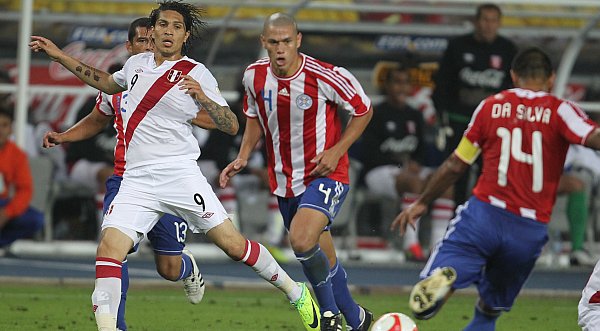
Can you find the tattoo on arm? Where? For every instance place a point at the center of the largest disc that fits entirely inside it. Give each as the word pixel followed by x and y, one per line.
pixel 224 118
pixel 90 72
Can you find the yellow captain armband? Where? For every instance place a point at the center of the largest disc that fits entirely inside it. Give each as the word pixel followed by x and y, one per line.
pixel 467 151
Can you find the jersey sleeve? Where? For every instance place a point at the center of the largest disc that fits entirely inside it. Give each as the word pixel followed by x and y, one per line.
pixel 574 125
pixel 103 104
pixel 345 90
pixel 120 77
pixel 210 87
pixel 249 105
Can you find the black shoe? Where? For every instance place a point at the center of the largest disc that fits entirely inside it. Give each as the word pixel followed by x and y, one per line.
pixel 365 323
pixel 331 322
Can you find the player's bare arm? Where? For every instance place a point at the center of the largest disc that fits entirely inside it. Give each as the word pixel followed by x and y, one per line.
pixel 86 128
pixel 328 159
pixel 204 121
pixel 252 134
pixel 446 175
pixel 593 140
pixel 224 119
pixel 93 77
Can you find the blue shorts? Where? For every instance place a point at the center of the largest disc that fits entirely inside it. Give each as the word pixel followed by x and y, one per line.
pixel 167 236
pixel 323 194
pixel 492 248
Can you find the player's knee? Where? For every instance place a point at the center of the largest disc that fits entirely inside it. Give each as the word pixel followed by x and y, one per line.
pixel 301 243
pixel 169 266
pixel 168 272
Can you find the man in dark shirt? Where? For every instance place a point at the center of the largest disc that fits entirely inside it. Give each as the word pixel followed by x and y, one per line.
pixel 393 154
pixel 473 67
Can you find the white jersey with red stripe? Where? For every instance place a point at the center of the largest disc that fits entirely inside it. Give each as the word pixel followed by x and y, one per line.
pixel 298 115
pixel 110 105
pixel 156 113
pixel 589 304
pixel 524 137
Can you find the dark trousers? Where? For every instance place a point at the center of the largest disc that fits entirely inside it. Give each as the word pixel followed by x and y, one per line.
pixel 22 226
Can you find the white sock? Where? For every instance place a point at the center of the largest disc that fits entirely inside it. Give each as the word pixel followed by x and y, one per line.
pixel 259 258
pixel 107 292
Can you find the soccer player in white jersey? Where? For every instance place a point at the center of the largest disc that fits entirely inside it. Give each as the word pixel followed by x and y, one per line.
pixel 589 304
pixel 293 98
pixel 168 235
pixel 493 242
pixel 165 90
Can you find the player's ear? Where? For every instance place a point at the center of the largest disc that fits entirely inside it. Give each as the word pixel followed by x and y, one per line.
pixel 263 41
pixel 298 40
pixel 551 80
pixel 514 77
pixel 129 47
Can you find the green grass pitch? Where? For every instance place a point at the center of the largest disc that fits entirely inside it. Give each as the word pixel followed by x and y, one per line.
pixel 58 307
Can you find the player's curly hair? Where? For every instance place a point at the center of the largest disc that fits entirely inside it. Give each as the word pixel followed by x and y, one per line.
pixel 192 18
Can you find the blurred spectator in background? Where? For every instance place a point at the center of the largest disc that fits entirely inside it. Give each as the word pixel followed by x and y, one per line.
pixel 6 100
pixel 17 219
pixel 33 134
pixel 473 67
pixel 393 154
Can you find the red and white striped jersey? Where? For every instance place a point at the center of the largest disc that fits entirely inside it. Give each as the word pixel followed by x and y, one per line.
pixel 110 105
pixel 156 113
pixel 298 115
pixel 524 137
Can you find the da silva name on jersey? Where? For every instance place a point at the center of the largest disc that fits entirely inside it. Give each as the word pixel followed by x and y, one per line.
pixel 527 113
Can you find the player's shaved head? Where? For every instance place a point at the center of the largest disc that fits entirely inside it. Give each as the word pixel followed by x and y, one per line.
pixel 279 20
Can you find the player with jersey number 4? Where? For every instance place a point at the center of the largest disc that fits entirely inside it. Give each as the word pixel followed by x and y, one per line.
pixel 164 92
pixel 523 135
pixel 293 99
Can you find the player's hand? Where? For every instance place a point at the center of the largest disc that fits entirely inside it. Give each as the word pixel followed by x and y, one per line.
pixel 231 170
pixel 326 162
pixel 410 215
pixel 38 44
pixel 51 139
pixel 192 88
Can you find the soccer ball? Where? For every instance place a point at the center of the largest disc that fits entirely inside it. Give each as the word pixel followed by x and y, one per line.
pixel 394 322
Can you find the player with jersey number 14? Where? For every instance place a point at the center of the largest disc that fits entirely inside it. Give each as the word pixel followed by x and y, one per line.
pixel 497 235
